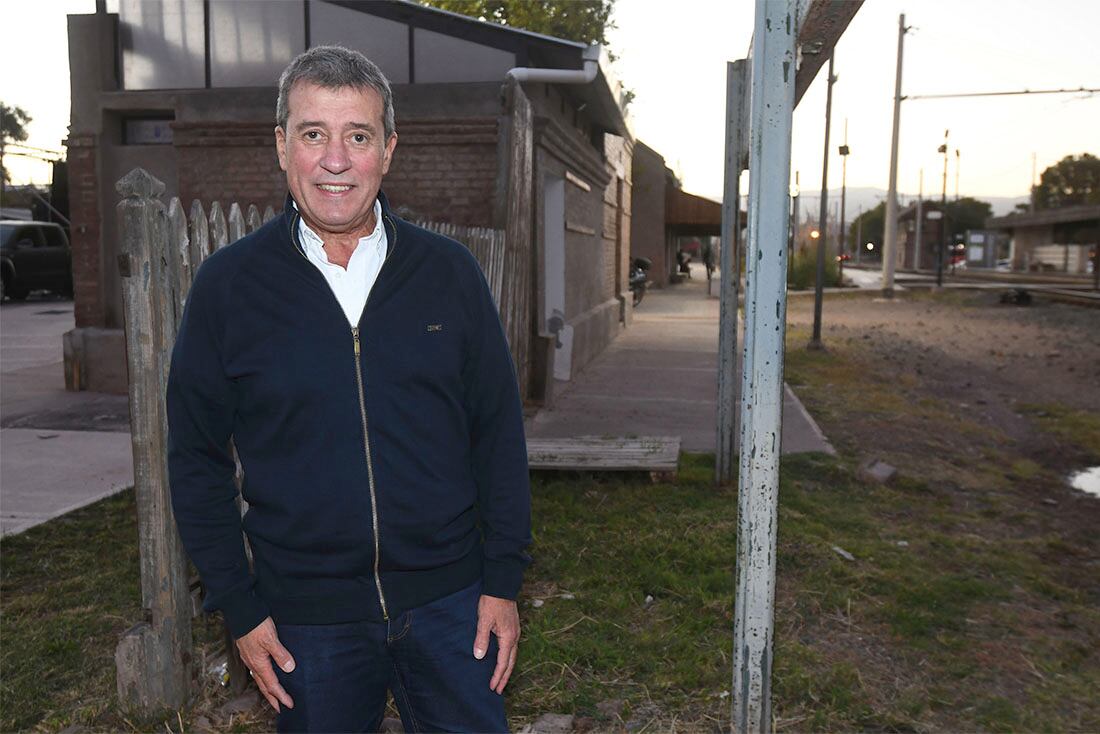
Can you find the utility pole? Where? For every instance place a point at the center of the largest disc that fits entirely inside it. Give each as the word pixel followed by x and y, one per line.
pixel 958 168
pixel 1031 189
pixel 823 211
pixel 943 214
pixel 859 235
pixel 795 220
pixel 920 223
pixel 890 238
pixel 842 241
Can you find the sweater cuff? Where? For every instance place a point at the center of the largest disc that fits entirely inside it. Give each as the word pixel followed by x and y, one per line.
pixel 502 579
pixel 243 612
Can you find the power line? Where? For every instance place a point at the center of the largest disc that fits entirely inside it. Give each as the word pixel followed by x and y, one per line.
pixel 13 144
pixel 1002 94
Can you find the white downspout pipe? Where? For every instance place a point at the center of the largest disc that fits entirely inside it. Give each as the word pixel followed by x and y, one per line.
pixel 586 75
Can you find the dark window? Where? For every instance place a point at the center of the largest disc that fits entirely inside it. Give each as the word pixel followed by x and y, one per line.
pixel 147 131
pixel 54 237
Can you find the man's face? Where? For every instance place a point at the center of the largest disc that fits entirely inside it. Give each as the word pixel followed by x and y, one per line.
pixel 334 153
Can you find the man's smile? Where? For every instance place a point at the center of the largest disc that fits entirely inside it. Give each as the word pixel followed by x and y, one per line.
pixel 335 188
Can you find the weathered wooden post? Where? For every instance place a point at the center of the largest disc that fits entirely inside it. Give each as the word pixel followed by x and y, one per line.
pixel 153 659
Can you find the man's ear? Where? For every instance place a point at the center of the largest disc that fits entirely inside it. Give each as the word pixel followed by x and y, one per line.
pixel 387 155
pixel 280 145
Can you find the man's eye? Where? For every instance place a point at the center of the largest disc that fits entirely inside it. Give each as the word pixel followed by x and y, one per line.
pixel 312 135
pixel 359 138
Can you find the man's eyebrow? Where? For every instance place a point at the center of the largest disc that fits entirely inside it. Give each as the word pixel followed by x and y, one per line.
pixel 308 123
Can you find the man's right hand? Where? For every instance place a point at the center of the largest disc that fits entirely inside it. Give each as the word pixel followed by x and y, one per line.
pixel 258 648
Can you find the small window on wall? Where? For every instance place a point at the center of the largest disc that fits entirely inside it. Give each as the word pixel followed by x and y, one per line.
pixel 147 131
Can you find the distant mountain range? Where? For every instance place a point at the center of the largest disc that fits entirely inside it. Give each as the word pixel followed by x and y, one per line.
pixel 869 198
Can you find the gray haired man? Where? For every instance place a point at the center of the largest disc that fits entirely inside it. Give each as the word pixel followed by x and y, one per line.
pixel 359 365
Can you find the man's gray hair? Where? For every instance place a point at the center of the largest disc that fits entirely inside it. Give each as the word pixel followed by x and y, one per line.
pixel 335 67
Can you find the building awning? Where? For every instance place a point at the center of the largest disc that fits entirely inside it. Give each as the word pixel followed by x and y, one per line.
pixel 688 214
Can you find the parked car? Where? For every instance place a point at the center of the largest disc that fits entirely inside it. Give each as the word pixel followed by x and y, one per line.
pixel 34 256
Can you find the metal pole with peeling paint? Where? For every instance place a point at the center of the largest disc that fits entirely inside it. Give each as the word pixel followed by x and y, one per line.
pixel 736 99
pixel 772 105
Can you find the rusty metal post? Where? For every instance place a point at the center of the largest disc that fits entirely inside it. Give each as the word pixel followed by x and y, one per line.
pixel 772 107
pixel 730 268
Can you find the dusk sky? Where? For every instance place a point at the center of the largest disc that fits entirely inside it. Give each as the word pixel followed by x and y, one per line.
pixel 675 63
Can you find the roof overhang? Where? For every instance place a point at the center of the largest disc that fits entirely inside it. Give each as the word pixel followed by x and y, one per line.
pixel 821 24
pixel 1045 217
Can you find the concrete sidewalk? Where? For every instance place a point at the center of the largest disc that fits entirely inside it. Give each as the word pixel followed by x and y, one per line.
pixel 58 450
pixel 660 378
pixel 62 450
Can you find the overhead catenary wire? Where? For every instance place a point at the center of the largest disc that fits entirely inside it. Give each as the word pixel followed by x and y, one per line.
pixel 1079 90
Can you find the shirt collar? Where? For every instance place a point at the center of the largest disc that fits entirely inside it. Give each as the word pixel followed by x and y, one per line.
pixel 312 241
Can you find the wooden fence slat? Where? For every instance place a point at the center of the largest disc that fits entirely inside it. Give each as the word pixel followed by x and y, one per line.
pixel 254 219
pixel 179 264
pixel 219 230
pixel 200 236
pixel 269 214
pixel 153 659
pixel 236 222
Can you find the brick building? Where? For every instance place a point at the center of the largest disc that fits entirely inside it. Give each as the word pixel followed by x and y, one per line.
pixel 497 127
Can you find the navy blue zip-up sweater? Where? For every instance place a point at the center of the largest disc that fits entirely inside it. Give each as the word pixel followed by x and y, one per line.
pixel 384 465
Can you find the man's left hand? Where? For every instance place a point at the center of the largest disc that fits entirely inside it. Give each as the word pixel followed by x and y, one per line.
pixel 501 617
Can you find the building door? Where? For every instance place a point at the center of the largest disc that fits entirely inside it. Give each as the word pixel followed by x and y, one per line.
pixel 554 269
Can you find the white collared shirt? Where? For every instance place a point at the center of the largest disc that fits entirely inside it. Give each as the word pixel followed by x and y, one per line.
pixel 351 286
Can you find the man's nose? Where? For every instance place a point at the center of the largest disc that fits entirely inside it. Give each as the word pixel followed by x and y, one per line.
pixel 336 158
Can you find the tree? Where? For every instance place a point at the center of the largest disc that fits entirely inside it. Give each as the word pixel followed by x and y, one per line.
pixel 967 213
pixel 13 129
pixel 872 227
pixel 585 21
pixel 1071 181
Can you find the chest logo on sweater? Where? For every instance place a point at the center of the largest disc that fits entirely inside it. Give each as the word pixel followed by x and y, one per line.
pixel 435 327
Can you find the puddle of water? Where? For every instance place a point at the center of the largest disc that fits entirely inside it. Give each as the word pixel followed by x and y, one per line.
pixel 1087 480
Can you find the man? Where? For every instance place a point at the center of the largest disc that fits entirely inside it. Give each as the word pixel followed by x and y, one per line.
pixel 359 366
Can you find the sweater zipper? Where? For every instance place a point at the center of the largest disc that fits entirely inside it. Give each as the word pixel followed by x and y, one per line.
pixel 363 415
pixel 370 473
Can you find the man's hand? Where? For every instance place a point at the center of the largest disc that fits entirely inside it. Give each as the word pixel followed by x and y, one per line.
pixel 258 648
pixel 501 617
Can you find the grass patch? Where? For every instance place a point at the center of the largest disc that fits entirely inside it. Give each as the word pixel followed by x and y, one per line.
pixel 1077 427
pixel 964 608
pixel 69 588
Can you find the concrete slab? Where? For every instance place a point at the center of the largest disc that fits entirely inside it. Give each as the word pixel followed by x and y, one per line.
pixel 46 473
pixel 660 377
pixel 58 450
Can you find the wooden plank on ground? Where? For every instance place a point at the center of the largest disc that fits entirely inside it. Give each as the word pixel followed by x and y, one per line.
pixel 656 454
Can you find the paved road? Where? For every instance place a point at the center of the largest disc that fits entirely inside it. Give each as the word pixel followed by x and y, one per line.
pixel 60 450
pixel 660 378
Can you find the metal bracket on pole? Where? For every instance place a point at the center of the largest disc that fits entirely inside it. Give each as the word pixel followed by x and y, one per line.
pixel 772 106
pixel 736 149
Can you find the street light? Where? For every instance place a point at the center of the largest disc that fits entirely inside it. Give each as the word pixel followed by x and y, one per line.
pixel 814 234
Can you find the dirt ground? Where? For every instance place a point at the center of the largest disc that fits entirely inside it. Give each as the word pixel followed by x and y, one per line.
pixel 990 360
pixel 991 406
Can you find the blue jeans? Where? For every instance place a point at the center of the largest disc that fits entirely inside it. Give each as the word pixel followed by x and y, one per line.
pixel 424 656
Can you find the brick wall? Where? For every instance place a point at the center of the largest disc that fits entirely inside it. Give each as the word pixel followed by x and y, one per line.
pixel 227 162
pixel 85 231
pixel 445 170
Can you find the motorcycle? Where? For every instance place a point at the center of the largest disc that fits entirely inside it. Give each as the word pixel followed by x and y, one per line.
pixel 639 268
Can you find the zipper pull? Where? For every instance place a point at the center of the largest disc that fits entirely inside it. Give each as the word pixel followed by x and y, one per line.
pixel 355 338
